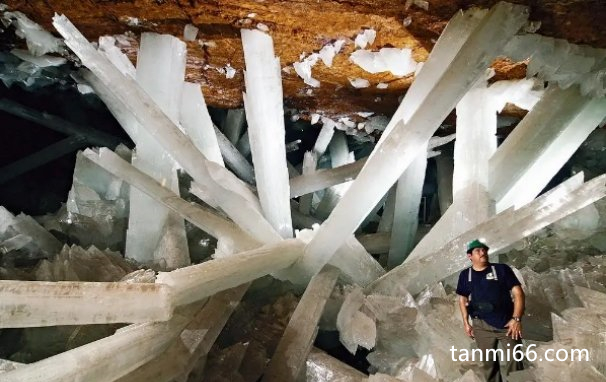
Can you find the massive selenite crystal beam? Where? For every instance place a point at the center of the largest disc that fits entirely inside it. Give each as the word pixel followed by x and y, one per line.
pixel 194 342
pixel 198 281
pixel 107 359
pixel 541 143
pixel 124 96
pixel 476 142
pixel 498 232
pixel 154 234
pixel 389 159
pixel 355 264
pixel 265 116
pixel 406 211
pixel 41 303
pixel 322 367
pixel 194 117
pixel 289 358
pixel 201 217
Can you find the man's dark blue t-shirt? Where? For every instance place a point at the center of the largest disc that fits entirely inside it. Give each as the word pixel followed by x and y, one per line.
pixel 490 295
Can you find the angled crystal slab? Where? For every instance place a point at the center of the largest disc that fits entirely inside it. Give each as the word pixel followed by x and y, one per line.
pixel 541 143
pixel 124 96
pixel 40 303
pixel 375 243
pixel 324 178
pixel 265 116
pixel 198 281
pixel 310 162
pixel 193 342
pixel 195 120
pixel 107 359
pixel 499 232
pixel 234 160
pixel 407 139
pixel 409 190
pixel 233 125
pixel 291 354
pixel 201 217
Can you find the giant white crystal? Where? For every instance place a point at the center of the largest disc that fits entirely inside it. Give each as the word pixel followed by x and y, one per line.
pixel 408 138
pixel 265 116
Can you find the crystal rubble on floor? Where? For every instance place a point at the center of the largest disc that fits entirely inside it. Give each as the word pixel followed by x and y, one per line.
pixel 406 140
pixel 40 303
pixel 24 235
pixel 193 343
pixel 472 204
pixel 290 356
pixel 78 264
pixel 129 102
pixel 557 60
pixel 155 234
pixel 499 232
pixel 109 358
pixel 409 190
pixel 541 144
pixel 321 367
pixel 97 206
pixel 265 117
pixel 355 327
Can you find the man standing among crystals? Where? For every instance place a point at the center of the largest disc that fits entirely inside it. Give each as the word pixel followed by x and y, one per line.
pixel 485 293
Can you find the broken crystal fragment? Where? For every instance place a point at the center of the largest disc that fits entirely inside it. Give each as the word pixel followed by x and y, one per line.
pixel 359 83
pixel 190 32
pixel 367 37
pixel 397 61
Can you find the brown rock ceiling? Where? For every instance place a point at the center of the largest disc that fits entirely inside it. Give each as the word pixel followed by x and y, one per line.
pixel 299 26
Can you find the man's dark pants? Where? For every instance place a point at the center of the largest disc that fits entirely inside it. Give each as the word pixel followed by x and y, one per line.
pixel 487 337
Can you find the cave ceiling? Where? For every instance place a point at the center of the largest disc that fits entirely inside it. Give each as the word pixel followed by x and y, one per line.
pixel 302 27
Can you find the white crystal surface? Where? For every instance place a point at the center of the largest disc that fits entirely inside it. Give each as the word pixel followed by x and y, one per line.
pixel 265 116
pixel 397 61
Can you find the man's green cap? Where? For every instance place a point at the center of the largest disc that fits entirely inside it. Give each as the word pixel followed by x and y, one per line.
pixel 475 244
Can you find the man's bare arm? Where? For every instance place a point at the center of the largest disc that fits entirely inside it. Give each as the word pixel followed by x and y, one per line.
pixel 514 328
pixel 464 313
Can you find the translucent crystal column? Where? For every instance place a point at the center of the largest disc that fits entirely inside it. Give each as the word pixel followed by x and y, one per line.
pixel 160 72
pixel 409 190
pixel 541 143
pixel 389 159
pixel 265 116
pixel 209 221
pixel 128 101
pixel 194 117
pixel 498 232
pixel 475 143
